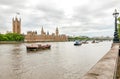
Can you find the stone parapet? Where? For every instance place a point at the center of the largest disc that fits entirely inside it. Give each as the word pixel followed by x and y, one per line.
pixel 106 67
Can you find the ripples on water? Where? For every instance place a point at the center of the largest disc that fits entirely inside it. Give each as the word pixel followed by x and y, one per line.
pixel 62 61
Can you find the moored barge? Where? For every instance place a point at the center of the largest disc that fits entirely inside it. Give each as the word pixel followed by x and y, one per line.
pixel 38 47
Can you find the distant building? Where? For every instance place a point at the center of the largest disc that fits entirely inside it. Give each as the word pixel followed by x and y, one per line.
pixel 16 25
pixel 33 36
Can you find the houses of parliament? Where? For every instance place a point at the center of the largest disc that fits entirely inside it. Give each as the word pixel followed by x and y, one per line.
pixel 32 36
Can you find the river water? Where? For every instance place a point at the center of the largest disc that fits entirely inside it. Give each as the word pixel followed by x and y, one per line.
pixel 62 61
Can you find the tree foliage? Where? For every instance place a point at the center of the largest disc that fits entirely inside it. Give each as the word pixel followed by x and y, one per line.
pixel 11 37
pixel 119 27
pixel 78 38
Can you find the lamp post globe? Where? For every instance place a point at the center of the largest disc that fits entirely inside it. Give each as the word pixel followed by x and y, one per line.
pixel 116 38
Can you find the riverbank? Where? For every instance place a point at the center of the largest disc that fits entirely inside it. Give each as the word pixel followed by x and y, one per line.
pixel 10 42
pixel 14 42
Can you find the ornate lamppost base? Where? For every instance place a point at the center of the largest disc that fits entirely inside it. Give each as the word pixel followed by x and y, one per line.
pixel 116 40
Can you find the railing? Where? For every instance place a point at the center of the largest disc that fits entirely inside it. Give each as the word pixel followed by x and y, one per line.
pixel 106 67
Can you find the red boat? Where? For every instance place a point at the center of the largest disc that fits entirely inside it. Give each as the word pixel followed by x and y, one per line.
pixel 38 47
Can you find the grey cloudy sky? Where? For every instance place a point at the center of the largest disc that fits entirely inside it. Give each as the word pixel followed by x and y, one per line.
pixel 72 17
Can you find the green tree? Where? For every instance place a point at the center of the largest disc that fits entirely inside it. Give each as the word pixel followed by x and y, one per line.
pixel 78 38
pixel 119 27
pixel 1 37
pixel 11 37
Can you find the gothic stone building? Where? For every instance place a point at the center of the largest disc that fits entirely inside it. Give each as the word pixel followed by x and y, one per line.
pixel 16 25
pixel 33 36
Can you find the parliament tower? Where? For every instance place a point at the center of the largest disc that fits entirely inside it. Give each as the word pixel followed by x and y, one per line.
pixel 57 31
pixel 16 25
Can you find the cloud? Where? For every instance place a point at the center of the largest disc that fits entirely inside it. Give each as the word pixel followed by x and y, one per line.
pixel 74 17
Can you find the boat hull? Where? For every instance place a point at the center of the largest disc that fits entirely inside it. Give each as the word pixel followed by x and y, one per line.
pixel 77 44
pixel 38 47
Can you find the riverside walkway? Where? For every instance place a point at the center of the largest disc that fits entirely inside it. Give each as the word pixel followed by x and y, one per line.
pixel 106 68
pixel 118 69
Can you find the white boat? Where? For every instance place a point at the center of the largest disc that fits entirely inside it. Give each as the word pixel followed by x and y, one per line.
pixel 77 43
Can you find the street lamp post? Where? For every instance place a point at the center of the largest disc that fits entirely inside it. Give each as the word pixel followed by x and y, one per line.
pixel 116 38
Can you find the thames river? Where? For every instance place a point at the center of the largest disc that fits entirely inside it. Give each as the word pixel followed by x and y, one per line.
pixel 62 61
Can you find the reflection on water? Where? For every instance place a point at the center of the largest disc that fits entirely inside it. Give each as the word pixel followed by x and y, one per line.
pixel 17 65
pixel 62 61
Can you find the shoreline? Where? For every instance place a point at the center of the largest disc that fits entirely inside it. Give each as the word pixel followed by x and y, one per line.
pixel 11 42
pixel 17 42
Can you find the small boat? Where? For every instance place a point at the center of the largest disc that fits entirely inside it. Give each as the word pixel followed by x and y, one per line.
pixel 32 47
pixel 77 43
pixel 94 41
pixel 38 47
pixel 84 42
pixel 47 46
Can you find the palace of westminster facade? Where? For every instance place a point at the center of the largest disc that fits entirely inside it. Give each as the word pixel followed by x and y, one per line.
pixel 33 36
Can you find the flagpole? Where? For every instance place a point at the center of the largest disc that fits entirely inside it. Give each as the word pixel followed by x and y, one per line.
pixel 18 14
